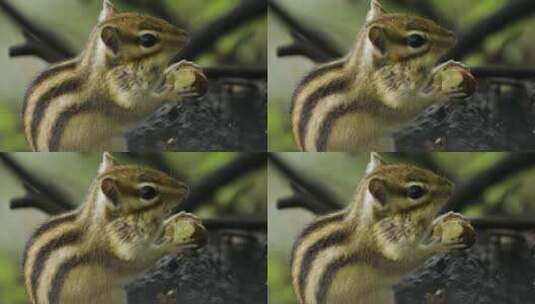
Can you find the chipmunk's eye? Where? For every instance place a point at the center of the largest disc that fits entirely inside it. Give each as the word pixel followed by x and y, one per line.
pixel 415 192
pixel 147 193
pixel 148 40
pixel 416 40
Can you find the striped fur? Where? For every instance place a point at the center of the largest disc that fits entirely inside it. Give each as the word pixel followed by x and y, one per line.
pixel 357 102
pixel 355 256
pixel 317 237
pixel 88 255
pixel 72 105
pixel 314 88
pixel 44 242
pixel 44 90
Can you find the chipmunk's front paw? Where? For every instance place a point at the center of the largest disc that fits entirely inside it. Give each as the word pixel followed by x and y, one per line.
pixel 183 231
pixel 452 231
pixel 454 80
pixel 186 79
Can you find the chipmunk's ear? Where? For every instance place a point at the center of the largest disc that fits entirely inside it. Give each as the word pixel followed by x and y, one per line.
pixel 376 10
pixel 377 188
pixel 108 11
pixel 110 191
pixel 378 39
pixel 375 162
pixel 107 163
pixel 111 38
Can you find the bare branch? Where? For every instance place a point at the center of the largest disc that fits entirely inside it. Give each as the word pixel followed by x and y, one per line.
pixel 472 39
pixel 203 191
pixel 53 42
pixel 324 44
pixel 204 39
pixel 469 192
pixel 247 72
pixel 314 189
pixel 42 195
pixel 239 223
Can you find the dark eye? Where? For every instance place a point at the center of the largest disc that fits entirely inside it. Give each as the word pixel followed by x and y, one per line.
pixel 416 40
pixel 415 192
pixel 148 40
pixel 147 193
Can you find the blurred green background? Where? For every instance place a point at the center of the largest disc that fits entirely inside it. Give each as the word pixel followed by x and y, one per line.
pixel 73 173
pixel 341 20
pixel 73 21
pixel 341 172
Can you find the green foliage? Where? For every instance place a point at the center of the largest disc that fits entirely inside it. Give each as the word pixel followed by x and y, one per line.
pixel 280 288
pixel 11 135
pixel 280 135
pixel 11 288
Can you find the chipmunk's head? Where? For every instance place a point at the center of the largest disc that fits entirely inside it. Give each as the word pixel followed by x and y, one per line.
pixel 403 189
pixel 129 37
pixel 399 38
pixel 135 201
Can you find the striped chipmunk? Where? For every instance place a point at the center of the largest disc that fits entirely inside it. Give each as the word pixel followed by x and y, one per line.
pixel 390 228
pixel 87 103
pixel 125 225
pixel 357 102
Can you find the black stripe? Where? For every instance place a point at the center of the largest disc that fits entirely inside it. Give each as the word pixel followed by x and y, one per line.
pixel 336 86
pixel 318 72
pixel 52 71
pixel 103 258
pixel 54 222
pixel 371 107
pixel 320 223
pixel 105 107
pixel 44 253
pixel 334 239
pixel 330 273
pixel 65 87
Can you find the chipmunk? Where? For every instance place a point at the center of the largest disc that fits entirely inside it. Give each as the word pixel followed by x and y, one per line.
pixel 124 226
pixel 86 103
pixel 356 255
pixel 354 103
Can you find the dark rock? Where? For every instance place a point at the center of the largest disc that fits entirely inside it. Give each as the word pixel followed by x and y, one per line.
pixel 231 269
pixel 497 270
pixel 230 117
pixel 499 117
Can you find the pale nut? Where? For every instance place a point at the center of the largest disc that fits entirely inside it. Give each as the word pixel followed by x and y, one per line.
pixel 190 78
pixel 456 76
pixel 455 228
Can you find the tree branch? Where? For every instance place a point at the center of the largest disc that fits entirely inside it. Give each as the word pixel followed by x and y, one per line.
pixel 41 195
pixel 241 223
pixel 247 72
pixel 203 191
pixel 204 39
pixel 314 189
pixel 57 47
pixel 470 191
pixel 324 44
pixel 472 39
